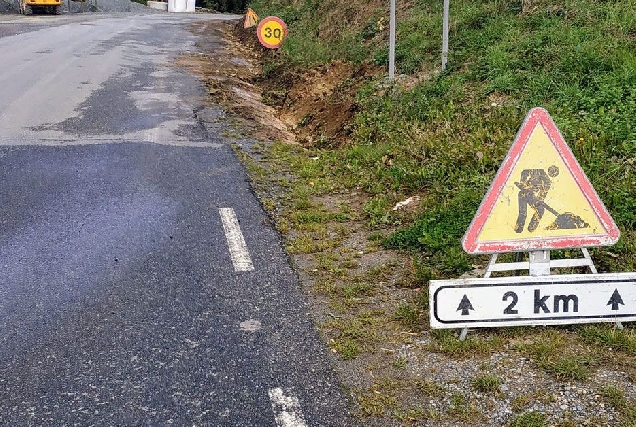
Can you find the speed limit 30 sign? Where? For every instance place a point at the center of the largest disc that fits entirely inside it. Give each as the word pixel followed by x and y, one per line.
pixel 271 31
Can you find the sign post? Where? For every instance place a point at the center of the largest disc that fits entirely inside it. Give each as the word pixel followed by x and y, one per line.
pixel 445 34
pixel 392 41
pixel 539 200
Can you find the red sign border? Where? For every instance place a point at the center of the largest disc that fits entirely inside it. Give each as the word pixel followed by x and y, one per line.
pixel 265 21
pixel 535 117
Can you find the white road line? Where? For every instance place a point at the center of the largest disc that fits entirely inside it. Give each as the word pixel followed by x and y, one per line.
pixel 235 241
pixel 151 135
pixel 286 409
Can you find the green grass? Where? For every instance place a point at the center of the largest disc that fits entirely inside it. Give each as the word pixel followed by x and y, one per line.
pixel 430 388
pixel 616 399
pixel 407 314
pixel 609 336
pixel 559 355
pixel 529 419
pixel 486 383
pixel 446 342
pixel 461 409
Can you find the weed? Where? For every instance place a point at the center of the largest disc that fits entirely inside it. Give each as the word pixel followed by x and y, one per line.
pixel 436 233
pixel 412 415
pixel 553 353
pixel 628 415
pixel 347 348
pixel 486 383
pixel 378 211
pixel 400 362
pixel 570 367
pixel 529 419
pixel 614 397
pixel 443 136
pixel 352 335
pixel 356 290
pixel 520 402
pixel 349 264
pixel 301 245
pixel 430 388
pixel 375 404
pixel 378 273
pixel 461 410
pixel 447 342
pixel 408 315
pixel 269 205
pixel 609 336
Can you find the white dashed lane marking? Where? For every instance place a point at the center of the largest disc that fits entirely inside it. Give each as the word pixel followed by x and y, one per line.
pixel 235 241
pixel 287 409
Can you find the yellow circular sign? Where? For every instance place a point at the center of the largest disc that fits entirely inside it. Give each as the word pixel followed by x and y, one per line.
pixel 271 32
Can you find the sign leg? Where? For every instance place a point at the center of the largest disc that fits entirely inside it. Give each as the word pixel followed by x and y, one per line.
pixel 445 34
pixel 619 326
pixel 392 41
pixel 463 334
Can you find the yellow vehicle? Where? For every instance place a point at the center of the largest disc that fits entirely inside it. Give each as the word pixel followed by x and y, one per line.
pixel 28 7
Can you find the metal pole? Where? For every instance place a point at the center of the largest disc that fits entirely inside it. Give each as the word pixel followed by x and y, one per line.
pixel 445 34
pixel 392 41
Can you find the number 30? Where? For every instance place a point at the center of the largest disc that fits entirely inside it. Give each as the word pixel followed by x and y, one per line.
pixel 277 33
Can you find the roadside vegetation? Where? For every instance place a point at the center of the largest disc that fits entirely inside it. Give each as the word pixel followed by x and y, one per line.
pixel 437 139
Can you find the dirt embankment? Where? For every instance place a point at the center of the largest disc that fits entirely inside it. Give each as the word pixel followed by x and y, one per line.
pixel 313 107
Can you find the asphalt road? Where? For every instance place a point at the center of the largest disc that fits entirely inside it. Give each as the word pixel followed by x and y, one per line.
pixel 140 281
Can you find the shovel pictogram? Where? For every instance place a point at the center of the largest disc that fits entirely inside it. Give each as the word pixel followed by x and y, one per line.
pixel 565 221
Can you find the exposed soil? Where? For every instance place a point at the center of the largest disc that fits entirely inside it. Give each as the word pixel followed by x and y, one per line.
pixel 229 72
pixel 319 105
pixel 312 108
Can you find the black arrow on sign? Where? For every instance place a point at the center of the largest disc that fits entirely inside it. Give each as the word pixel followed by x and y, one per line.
pixel 615 300
pixel 465 305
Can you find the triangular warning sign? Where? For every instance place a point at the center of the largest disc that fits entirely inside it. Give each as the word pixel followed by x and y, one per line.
pixel 251 18
pixel 540 198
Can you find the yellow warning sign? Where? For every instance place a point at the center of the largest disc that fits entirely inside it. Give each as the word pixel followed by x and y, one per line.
pixel 540 198
pixel 251 18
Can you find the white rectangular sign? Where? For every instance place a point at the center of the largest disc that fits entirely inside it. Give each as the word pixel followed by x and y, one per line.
pixel 526 300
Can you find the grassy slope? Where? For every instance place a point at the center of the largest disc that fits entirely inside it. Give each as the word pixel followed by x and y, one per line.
pixel 443 136
pixel 446 136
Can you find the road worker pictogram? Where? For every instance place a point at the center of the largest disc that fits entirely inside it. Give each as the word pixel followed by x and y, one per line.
pixel 540 198
pixel 533 189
